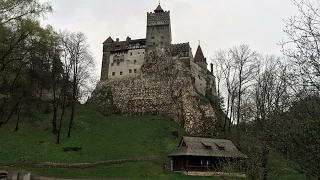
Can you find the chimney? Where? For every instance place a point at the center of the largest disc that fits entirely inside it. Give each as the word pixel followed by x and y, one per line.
pixel 117 39
pixel 211 67
pixel 128 39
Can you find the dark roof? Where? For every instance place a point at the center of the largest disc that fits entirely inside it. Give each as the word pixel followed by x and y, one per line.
pixel 109 40
pixel 158 9
pixel 125 45
pixel 199 57
pixel 197 146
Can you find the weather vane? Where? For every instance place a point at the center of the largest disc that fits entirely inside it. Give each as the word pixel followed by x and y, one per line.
pixel 199 42
pixel 159 2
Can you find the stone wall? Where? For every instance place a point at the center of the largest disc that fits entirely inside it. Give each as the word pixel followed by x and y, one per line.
pixel 165 87
pixel 127 63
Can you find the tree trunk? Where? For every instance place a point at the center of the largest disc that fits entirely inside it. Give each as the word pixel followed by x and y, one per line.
pixel 265 154
pixel 18 120
pixel 63 107
pixel 238 108
pixel 231 113
pixel 74 94
pixel 55 109
pixel 61 118
pixel 226 116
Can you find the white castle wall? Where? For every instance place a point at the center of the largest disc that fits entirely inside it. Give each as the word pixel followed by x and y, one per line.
pixel 125 64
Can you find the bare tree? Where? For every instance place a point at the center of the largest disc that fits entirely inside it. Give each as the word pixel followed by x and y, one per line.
pixel 245 61
pixel 303 43
pixel 81 63
pixel 224 64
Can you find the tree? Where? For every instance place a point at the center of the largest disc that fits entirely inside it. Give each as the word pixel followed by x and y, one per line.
pixel 12 11
pixel 224 63
pixel 245 62
pixel 303 44
pixel 81 63
pixel 19 33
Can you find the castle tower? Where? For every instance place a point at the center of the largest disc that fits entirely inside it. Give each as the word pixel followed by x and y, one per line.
pixel 105 58
pixel 200 59
pixel 158 28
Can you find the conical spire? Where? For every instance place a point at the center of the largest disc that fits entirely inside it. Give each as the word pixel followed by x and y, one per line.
pixel 199 57
pixel 158 9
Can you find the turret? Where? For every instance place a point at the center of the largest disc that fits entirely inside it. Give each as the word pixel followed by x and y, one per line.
pixel 158 28
pixel 200 59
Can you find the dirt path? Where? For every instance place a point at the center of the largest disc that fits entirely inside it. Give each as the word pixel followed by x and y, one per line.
pixel 76 165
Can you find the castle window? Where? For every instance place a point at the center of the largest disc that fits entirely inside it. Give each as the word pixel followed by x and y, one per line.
pixel 138 52
pixel 162 37
pixel 111 64
pixel 120 72
pixel 130 70
pixel 118 63
pixel 135 61
pixel 135 70
pixel 130 54
pixel 152 37
pixel 154 43
pixel 142 52
pixel 113 73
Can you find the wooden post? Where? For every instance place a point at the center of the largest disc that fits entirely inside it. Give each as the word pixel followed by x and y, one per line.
pixel 187 165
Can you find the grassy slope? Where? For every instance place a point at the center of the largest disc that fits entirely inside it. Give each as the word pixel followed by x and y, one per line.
pixel 102 138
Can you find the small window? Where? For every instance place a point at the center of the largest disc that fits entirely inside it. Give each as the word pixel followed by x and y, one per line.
pixel 138 52
pixel 120 72
pixel 152 37
pixel 130 70
pixel 111 64
pixel 143 52
pixel 118 63
pixel 135 61
pixel 135 70
pixel 221 148
pixel 113 73
pixel 154 43
pixel 130 54
pixel 162 37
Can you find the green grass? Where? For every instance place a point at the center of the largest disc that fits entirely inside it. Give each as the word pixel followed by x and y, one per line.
pixel 101 138
pixel 106 138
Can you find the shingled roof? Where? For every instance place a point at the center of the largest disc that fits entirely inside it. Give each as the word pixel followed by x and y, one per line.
pixel 199 57
pixel 109 40
pixel 158 9
pixel 197 146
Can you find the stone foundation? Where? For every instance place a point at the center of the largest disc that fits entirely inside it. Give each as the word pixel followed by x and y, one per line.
pixel 164 88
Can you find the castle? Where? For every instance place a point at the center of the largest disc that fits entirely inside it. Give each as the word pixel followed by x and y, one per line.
pixel 153 76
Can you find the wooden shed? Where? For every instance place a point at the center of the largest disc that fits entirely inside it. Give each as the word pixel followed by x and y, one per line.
pixel 203 154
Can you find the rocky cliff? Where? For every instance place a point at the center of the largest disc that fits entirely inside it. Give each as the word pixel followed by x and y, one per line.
pixel 165 87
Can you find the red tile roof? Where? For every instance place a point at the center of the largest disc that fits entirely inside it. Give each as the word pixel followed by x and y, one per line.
pixel 158 9
pixel 199 57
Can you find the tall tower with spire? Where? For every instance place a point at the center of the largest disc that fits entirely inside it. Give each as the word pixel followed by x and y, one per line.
pixel 158 28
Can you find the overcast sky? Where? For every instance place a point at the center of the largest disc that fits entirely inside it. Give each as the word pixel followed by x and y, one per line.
pixel 218 24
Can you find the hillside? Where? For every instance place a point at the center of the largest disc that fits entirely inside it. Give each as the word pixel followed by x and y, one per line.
pixel 105 138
